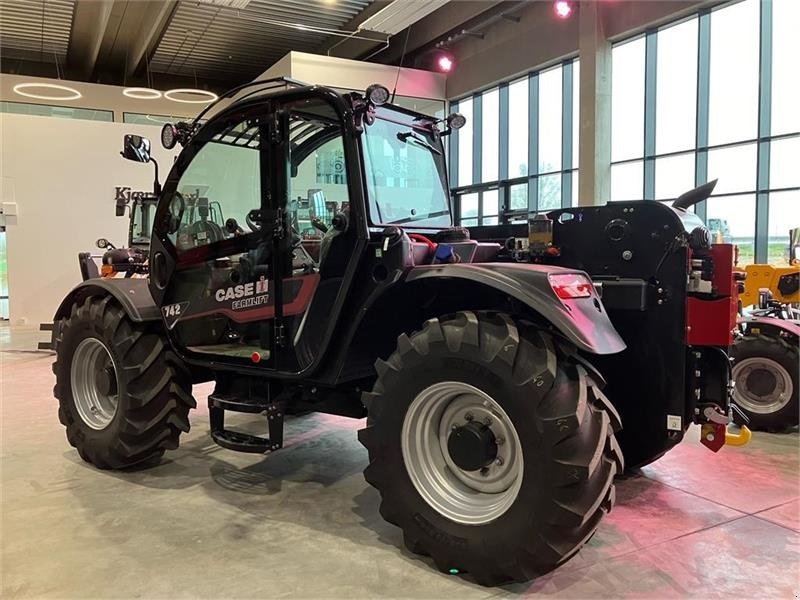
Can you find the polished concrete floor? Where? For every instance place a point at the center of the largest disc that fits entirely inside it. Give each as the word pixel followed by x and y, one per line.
pixel 211 523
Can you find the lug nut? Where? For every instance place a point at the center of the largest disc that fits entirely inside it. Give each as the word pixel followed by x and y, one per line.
pixel 468 416
pixel 498 461
pixel 500 441
pixel 455 426
pixel 484 471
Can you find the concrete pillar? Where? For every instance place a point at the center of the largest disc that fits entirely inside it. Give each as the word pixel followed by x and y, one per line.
pixel 594 156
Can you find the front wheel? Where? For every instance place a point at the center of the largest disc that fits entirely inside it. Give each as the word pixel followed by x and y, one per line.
pixel 123 399
pixel 492 447
pixel 765 381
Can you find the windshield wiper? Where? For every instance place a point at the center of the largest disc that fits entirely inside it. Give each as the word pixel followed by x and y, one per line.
pixel 414 136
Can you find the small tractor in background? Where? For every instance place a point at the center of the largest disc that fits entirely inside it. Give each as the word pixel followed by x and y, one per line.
pixel 766 352
pixel 495 368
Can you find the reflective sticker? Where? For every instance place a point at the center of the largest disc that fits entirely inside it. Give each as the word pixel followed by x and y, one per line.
pixel 674 423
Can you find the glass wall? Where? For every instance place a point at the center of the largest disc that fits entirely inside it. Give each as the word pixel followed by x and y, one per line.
pixel 518 152
pixel 715 96
pixel 63 112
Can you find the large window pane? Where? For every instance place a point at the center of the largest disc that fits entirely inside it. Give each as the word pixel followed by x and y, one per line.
pixel 676 92
pixel 518 128
pixel 733 99
pixel 490 148
pixel 732 219
pixel 674 175
pixel 550 86
pixel 627 181
pixel 490 205
pixel 785 79
pixel 61 112
pixel 575 195
pixel 518 197
pixel 784 163
pixel 784 214
pixel 576 120
pixel 734 167
pixel 469 205
pixel 627 100
pixel 465 144
pixel 549 192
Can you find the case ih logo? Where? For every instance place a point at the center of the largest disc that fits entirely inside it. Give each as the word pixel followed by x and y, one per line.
pixel 244 295
pixel 124 194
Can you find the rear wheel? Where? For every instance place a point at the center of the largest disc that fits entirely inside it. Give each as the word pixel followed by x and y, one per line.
pixel 492 447
pixel 766 381
pixel 122 397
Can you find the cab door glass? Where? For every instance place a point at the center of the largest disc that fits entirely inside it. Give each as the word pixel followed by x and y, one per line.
pixel 217 191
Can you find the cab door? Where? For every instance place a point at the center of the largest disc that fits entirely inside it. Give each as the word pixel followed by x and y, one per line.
pixel 256 245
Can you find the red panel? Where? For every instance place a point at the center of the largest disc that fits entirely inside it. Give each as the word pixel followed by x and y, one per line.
pixel 722 255
pixel 711 322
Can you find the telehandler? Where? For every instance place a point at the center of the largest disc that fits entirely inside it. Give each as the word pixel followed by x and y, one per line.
pixel 494 377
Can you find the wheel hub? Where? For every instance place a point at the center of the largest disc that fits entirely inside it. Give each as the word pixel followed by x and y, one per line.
pixel 462 452
pixel 93 379
pixel 472 446
pixel 762 385
pixel 761 382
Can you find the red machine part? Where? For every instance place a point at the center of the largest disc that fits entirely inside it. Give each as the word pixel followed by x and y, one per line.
pixel 711 321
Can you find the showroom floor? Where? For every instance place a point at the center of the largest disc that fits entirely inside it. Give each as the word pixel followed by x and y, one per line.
pixel 208 522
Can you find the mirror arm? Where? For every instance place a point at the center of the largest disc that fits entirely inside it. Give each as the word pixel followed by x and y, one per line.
pixel 156 182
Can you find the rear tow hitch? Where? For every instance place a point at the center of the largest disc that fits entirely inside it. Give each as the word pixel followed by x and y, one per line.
pixel 715 432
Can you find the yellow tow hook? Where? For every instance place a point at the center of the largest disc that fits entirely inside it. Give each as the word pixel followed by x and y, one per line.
pixel 738 439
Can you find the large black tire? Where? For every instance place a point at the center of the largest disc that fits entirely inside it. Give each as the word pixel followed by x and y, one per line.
pixel 153 391
pixel 763 365
pixel 565 427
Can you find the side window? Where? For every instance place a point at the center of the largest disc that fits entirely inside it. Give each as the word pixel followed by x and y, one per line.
pixel 219 188
pixel 318 188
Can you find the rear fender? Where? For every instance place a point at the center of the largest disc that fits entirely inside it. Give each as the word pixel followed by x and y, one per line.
pixel 132 294
pixel 771 326
pixel 582 321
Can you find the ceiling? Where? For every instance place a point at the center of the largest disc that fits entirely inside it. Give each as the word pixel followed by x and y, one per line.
pixel 214 44
pixel 119 41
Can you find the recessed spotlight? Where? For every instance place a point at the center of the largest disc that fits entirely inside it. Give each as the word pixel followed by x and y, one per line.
pixel 205 98
pixel 23 89
pixel 445 62
pixel 141 93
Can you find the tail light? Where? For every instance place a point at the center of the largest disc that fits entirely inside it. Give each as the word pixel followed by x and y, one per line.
pixel 568 286
pixel 107 271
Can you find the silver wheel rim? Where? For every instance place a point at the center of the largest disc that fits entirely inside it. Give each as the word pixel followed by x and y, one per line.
pixel 749 399
pixel 469 497
pixel 95 406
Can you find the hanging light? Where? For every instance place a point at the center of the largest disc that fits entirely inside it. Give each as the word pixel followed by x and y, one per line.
pixel 444 62
pixel 142 93
pixel 23 89
pixel 563 8
pixel 206 96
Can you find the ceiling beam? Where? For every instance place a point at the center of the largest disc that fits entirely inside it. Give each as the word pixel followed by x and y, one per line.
pixel 155 20
pixel 450 18
pixel 89 23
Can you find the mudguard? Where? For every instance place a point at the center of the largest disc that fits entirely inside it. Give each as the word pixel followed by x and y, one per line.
pixel 132 294
pixel 771 325
pixel 583 321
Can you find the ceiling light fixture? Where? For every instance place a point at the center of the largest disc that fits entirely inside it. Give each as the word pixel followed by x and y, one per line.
pixel 72 93
pixel 563 8
pixel 206 96
pixel 445 63
pixel 141 93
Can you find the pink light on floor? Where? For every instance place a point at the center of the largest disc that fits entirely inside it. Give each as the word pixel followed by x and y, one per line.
pixel 562 8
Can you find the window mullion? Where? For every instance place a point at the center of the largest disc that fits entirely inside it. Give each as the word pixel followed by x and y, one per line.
pixel 477 137
pixel 703 84
pixel 533 141
pixel 650 67
pixel 764 130
pixel 566 134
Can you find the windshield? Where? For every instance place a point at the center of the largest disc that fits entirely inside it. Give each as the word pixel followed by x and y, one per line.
pixel 405 170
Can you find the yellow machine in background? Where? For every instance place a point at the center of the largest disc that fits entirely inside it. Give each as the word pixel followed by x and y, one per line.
pixel 782 282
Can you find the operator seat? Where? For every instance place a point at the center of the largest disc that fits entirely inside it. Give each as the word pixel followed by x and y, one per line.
pixel 88 266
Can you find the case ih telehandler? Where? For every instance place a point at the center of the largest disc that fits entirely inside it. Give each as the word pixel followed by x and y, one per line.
pixel 479 365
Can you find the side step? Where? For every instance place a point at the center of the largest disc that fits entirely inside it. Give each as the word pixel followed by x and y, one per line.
pixel 244 442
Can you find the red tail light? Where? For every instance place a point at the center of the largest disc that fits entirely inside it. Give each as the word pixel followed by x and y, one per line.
pixel 571 285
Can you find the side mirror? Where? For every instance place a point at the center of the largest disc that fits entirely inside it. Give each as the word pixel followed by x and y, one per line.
pixel 136 148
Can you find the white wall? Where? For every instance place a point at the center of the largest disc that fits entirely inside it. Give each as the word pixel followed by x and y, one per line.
pixel 62 173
